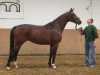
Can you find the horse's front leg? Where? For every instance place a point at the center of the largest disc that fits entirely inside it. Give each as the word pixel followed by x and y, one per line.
pixel 53 51
pixel 50 57
pixel 53 59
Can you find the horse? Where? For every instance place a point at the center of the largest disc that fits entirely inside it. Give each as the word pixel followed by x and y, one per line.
pixel 48 34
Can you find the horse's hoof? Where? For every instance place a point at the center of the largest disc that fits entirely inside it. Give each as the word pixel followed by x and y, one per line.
pixel 16 67
pixel 8 68
pixel 50 66
pixel 15 64
pixel 54 66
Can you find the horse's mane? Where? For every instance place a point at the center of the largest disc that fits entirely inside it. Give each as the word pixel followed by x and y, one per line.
pixel 57 20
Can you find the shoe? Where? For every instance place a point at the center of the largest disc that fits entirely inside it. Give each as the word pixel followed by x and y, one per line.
pixel 92 66
pixel 86 65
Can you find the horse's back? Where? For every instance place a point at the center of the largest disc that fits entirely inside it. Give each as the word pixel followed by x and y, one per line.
pixel 33 33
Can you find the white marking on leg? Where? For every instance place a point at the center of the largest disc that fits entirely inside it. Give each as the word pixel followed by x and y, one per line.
pixel 8 68
pixel 54 66
pixel 15 64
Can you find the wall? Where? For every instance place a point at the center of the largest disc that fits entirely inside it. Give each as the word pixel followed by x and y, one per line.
pixel 72 43
pixel 40 12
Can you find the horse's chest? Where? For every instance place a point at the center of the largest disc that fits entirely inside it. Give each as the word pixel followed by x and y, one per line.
pixel 56 37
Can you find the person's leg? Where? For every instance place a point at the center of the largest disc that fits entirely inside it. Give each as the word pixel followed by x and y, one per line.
pixel 87 53
pixel 93 55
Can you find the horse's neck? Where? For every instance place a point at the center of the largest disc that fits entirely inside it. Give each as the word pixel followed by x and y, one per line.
pixel 61 22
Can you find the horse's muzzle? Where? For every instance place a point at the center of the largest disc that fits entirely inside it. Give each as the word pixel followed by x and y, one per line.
pixel 79 22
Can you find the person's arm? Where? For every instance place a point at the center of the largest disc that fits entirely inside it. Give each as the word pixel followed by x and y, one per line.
pixel 95 32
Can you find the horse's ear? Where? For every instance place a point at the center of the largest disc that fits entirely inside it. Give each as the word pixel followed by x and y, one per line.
pixel 72 9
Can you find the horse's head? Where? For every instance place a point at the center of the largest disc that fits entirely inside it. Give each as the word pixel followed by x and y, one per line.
pixel 73 18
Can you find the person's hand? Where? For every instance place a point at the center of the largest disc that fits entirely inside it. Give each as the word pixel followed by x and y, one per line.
pixel 94 45
pixel 80 29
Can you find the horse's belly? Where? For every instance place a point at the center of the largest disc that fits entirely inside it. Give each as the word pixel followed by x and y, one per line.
pixel 40 41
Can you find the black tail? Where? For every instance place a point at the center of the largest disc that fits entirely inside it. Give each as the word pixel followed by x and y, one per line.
pixel 12 38
pixel 11 55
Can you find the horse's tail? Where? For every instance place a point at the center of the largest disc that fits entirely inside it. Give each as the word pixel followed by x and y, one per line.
pixel 12 38
pixel 12 43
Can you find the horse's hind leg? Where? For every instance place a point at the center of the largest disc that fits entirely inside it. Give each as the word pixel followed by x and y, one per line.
pixel 15 58
pixel 12 55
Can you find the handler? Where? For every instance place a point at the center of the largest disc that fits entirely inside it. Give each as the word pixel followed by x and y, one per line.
pixel 91 34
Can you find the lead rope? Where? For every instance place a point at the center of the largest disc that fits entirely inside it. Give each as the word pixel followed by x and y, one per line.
pixel 76 27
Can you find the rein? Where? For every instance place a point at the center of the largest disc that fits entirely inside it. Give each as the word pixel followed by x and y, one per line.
pixel 76 27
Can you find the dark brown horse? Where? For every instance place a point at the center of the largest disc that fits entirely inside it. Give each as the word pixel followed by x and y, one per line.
pixel 49 34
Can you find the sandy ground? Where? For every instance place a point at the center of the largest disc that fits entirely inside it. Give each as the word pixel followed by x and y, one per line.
pixel 37 65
